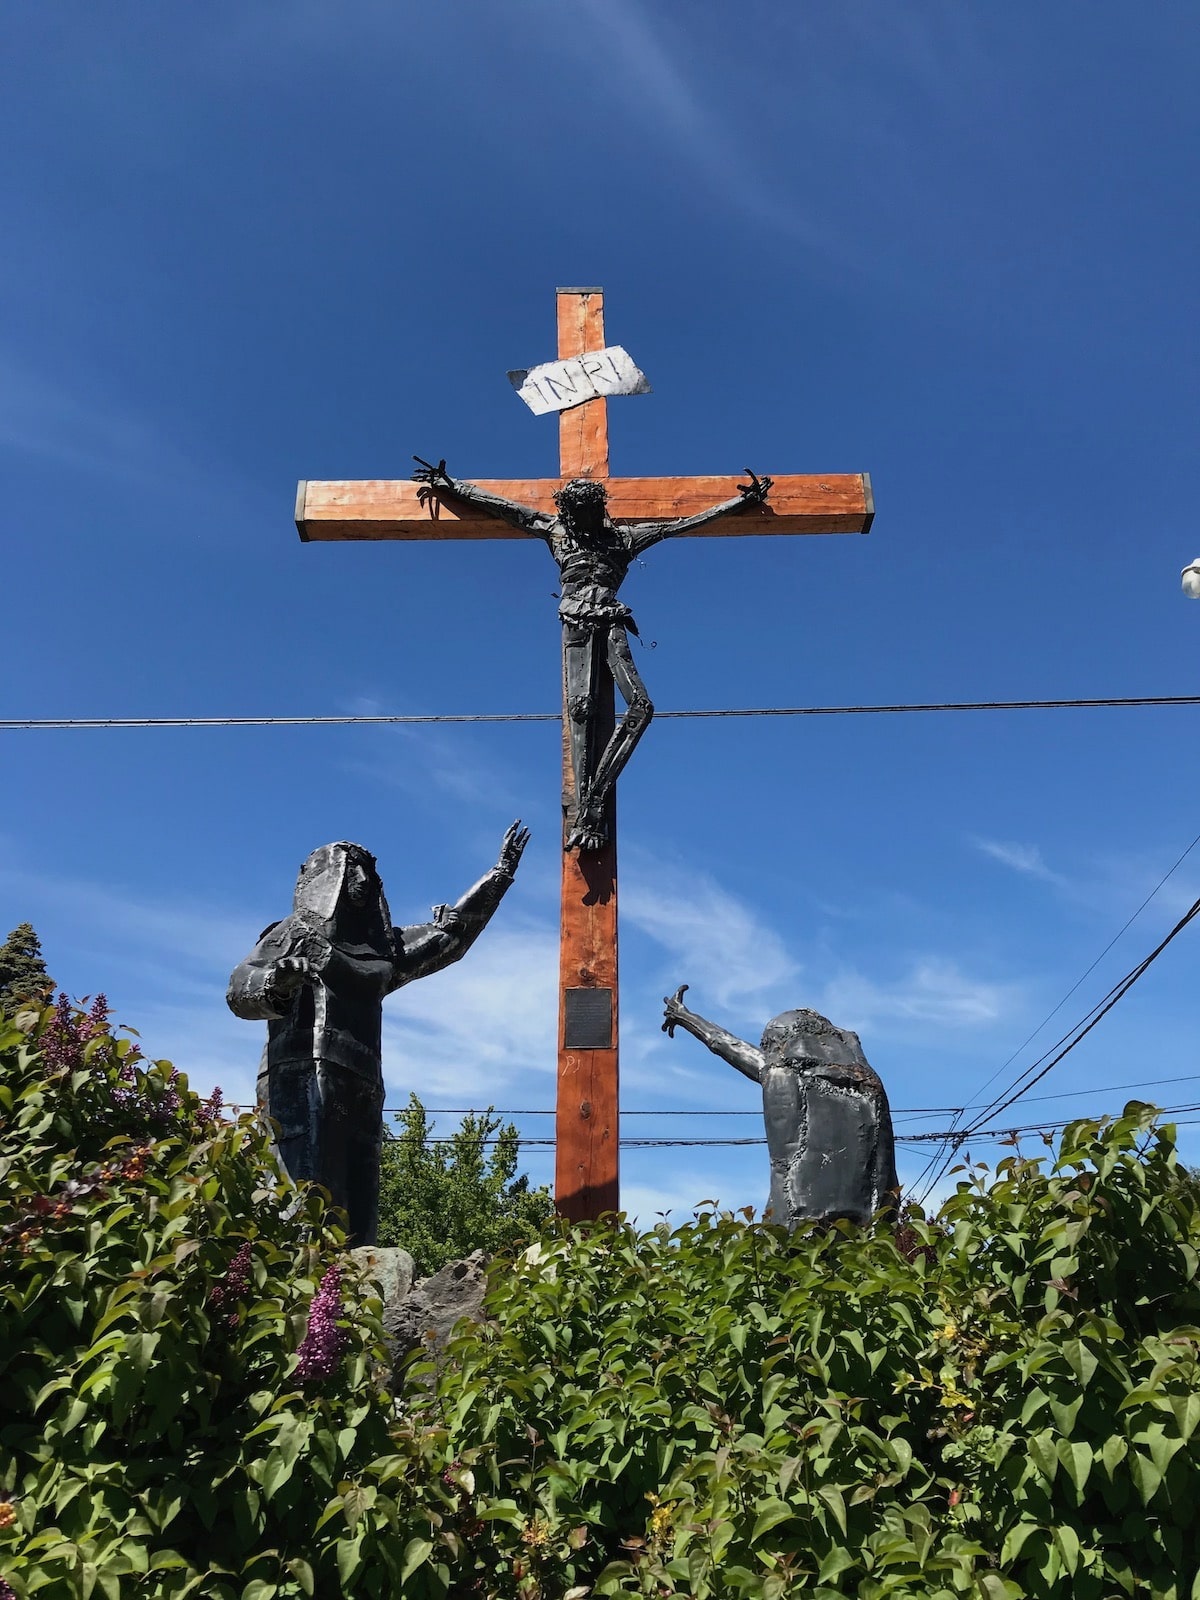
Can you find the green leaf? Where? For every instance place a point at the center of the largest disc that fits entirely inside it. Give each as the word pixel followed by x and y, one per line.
pixel 1077 1462
pixel 1187 1413
pixel 1162 1446
pixel 354 1502
pixel 350 1559
pixel 1067 1541
pixel 303 1574
pixel 835 1500
pixel 1014 1540
pixel 416 1554
pixel 1081 1359
pixel 835 1563
pixel 1146 1475
pixel 772 1513
pixel 993 1587
pixel 1045 1456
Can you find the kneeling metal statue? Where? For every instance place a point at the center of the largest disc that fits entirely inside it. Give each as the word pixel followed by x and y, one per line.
pixel 319 978
pixel 593 555
pixel 829 1129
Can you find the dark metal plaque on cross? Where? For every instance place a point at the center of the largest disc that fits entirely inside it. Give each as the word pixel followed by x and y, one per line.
pixel 586 1168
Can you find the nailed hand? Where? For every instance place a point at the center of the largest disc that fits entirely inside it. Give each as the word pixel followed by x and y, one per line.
pixel 756 491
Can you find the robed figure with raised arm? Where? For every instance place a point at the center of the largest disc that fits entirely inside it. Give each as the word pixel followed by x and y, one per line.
pixel 593 554
pixel 318 978
pixel 828 1126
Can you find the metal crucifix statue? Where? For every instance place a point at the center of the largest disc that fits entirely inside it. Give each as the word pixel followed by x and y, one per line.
pixel 595 525
pixel 593 554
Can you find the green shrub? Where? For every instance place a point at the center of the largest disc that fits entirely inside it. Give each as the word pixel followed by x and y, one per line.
pixel 1003 1403
pixel 1000 1402
pixel 157 1434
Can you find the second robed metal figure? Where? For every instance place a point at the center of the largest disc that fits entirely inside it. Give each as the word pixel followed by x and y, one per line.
pixel 318 979
pixel 828 1126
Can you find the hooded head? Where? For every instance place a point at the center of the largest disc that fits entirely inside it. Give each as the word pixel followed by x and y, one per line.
pixel 806 1038
pixel 339 891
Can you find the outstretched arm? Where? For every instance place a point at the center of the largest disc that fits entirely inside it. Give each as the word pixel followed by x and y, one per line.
pixel 438 481
pixel 749 494
pixel 433 945
pixel 745 1057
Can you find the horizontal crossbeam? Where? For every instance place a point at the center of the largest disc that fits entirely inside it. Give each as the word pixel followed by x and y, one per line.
pixel 389 508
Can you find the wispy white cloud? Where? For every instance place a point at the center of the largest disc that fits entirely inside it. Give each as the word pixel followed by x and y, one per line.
pixel 189 938
pixel 464 1036
pixel 650 54
pixel 1025 858
pixel 714 939
pixel 933 991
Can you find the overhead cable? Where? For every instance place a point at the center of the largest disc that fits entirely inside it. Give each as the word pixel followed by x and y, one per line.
pixel 941 1159
pixel 680 1111
pixel 415 720
pixel 954 1138
pixel 677 1111
pixel 998 1131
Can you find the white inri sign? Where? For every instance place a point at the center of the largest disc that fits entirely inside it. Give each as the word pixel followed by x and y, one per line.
pixel 559 385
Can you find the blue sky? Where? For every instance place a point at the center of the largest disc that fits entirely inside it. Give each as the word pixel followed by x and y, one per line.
pixel 954 245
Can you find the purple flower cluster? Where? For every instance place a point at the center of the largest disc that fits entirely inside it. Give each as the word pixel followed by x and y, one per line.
pixel 69 1031
pixel 7 1592
pixel 323 1342
pixel 234 1286
pixel 65 1039
pixel 211 1109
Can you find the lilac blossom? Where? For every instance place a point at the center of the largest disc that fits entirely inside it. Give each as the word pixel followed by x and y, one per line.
pixel 211 1109
pixel 234 1286
pixel 323 1342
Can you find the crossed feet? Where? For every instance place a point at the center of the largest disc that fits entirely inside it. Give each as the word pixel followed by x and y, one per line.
pixel 588 831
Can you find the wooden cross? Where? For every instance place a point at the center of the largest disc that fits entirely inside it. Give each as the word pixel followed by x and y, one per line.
pixel 586 1168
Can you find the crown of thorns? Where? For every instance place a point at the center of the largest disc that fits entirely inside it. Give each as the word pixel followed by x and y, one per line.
pixel 579 491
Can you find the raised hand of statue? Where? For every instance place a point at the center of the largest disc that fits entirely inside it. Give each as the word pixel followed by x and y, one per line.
pixel 674 1010
pixel 756 491
pixel 433 480
pixel 512 847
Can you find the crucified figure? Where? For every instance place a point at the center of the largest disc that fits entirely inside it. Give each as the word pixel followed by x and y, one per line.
pixel 593 554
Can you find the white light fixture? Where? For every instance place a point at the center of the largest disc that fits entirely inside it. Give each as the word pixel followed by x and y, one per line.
pixel 1190 578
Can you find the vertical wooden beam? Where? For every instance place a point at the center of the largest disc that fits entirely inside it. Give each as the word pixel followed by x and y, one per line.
pixel 587 1178
pixel 582 431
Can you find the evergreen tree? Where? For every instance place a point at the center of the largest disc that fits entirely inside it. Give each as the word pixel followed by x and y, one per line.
pixel 23 974
pixel 442 1201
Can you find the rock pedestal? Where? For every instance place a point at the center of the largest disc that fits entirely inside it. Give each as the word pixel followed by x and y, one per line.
pixel 424 1319
pixel 391 1269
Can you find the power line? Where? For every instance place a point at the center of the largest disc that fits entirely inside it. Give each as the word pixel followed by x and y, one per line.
pixel 897 1111
pixel 1117 992
pixel 415 720
pixel 956 1137
pixel 677 1111
pixel 944 1157
pixel 1125 926
pixel 999 1131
